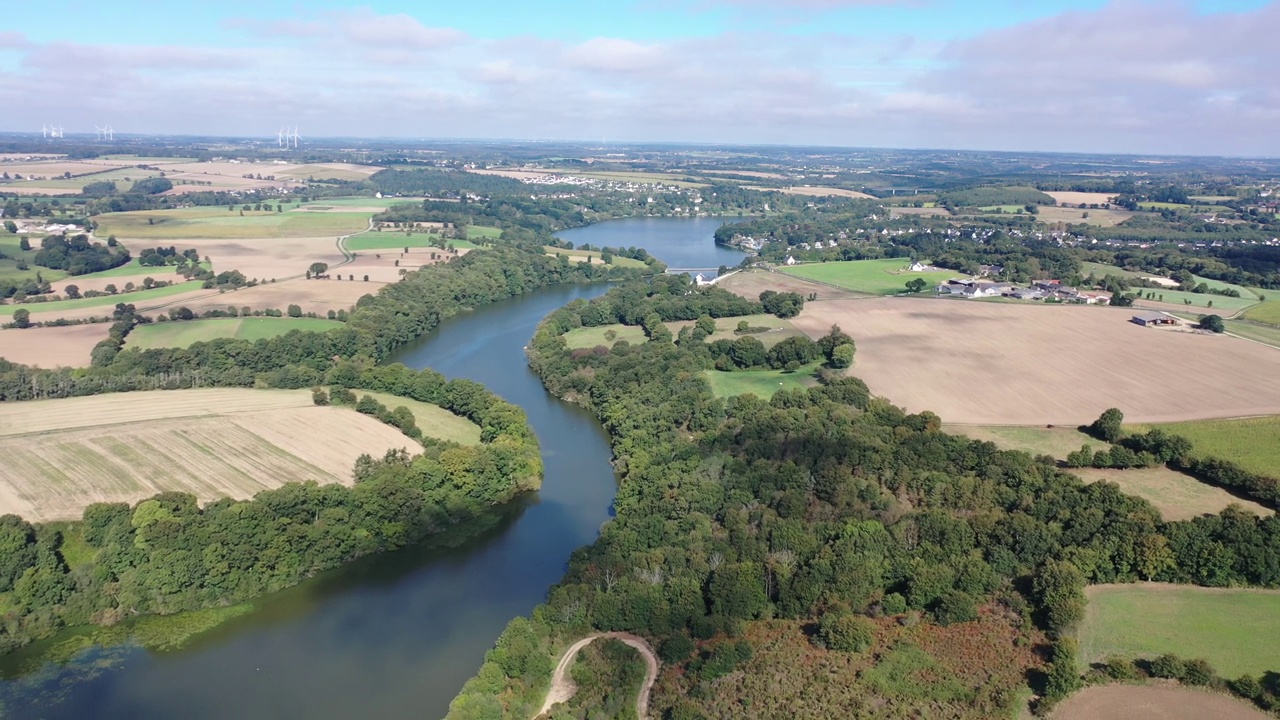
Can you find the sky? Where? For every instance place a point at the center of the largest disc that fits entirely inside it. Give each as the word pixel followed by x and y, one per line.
pixel 1197 77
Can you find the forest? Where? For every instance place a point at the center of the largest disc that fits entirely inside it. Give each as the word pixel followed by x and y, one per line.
pixel 823 506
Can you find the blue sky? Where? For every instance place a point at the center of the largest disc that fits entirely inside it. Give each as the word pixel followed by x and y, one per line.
pixel 1148 76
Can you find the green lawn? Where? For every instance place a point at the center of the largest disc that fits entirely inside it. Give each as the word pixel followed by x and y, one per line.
pixel 105 301
pixel 483 232
pixel 1038 440
pixel 1252 443
pixel 184 334
pixel 875 277
pixel 1101 270
pixel 1267 312
pixel 387 240
pixel 433 420
pixel 778 328
pixel 9 265
pixel 363 202
pixel 219 222
pixel 761 383
pixel 1198 300
pixel 1235 630
pixel 581 256
pixel 589 337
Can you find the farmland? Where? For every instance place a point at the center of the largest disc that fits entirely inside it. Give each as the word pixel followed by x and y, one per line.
pixel 103 302
pixel 1078 198
pixel 1057 442
pixel 1257 332
pixel 750 283
pixel 64 454
pixel 1101 218
pixel 775 329
pixel 219 222
pixel 988 363
pixel 592 256
pixel 589 337
pixel 393 240
pixel 1252 443
pixel 1235 630
pixel 1167 702
pixel 51 347
pixel 873 277
pixel 1267 312
pixel 434 420
pixel 183 334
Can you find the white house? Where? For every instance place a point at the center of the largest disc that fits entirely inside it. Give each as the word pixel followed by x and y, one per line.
pixel 789 261
pixel 918 266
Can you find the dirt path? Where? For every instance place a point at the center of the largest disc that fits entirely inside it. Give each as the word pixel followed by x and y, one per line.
pixel 563 688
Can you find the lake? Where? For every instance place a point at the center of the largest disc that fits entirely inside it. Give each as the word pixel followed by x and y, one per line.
pixel 394 635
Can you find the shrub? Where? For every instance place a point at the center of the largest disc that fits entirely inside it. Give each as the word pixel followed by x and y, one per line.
pixel 1170 667
pixel 846 632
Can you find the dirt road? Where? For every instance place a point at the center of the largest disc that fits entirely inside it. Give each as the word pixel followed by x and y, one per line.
pixel 563 687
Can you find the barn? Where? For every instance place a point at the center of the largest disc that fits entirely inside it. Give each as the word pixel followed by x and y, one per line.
pixel 1154 318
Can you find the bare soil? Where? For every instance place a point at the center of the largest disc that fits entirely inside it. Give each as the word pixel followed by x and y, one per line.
pixel 264 258
pixel 1153 702
pixel 57 456
pixel 1031 364
pixel 52 347
pixel 1076 198
pixel 819 191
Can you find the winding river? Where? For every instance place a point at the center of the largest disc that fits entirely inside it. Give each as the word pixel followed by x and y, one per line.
pixel 395 635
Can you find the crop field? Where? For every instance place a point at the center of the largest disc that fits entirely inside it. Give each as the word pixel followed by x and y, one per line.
pixel 265 257
pixel 124 178
pixel 1010 364
pixel 1166 702
pixel 589 337
pixel 817 191
pixel 761 383
pixel 1267 312
pixel 61 455
pixel 386 240
pixel 1253 443
pixel 1176 495
pixel 432 419
pixel 1203 302
pixel 873 277
pixel 52 347
pixel 218 222
pixel 1234 629
pixel 750 283
pixel 318 296
pixel 106 301
pixel 183 334
pixel 594 255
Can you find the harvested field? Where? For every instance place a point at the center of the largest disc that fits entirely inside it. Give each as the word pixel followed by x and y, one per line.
pixel 266 257
pixel 100 281
pixel 1077 198
pixel 750 283
pixel 924 211
pixel 1176 495
pixel 1234 629
pixel 591 256
pixel 1154 702
pixel 513 174
pixel 1019 364
pixel 52 347
pixel 317 296
pixel 61 455
pixel 99 305
pixel 179 226
pixel 384 269
pixel 816 191
pixel 1101 218
pixel 746 173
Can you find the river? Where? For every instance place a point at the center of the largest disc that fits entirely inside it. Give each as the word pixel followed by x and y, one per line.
pixel 395 635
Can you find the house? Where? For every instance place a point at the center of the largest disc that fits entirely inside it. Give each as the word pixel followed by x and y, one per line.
pixel 698 279
pixel 789 261
pixel 918 266
pixel 1094 298
pixel 1026 294
pixel 1147 319
pixel 991 270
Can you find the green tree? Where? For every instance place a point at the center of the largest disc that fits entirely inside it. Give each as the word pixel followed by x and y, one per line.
pixel 318 268
pixel 1059 586
pixel 1154 556
pixel 846 632
pixel 842 357
pixel 916 285
pixel 295 311
pixel 1108 426
pixel 1212 323
pixel 11 227
pixel 707 324
pixel 22 318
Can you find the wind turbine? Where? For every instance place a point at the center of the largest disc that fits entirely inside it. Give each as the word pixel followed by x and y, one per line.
pixel 280 138
pixel 296 137
pixel 44 130
pixel 101 132
pixel 111 134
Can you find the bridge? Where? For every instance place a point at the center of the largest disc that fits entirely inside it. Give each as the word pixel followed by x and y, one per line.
pixel 674 271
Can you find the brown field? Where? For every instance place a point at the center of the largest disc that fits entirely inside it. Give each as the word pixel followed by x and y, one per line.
pixel 325 171
pixel 513 174
pixel 1176 495
pixel 1153 702
pixel 926 212
pixel 263 258
pixel 61 455
pixel 26 157
pixel 40 314
pixel 385 270
pixel 185 183
pixel 1022 364
pixel 56 168
pixel 1101 218
pixel 1077 198
pixel 746 173
pixel 100 283
pixel 817 191
pixel 51 347
pixel 750 283
pixel 318 296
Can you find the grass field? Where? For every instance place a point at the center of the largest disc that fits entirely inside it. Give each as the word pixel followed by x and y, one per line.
pixel 1252 443
pixel 778 328
pixel 1267 312
pixel 1176 495
pixel 581 256
pixel 104 301
pixel 1201 301
pixel 391 240
pixel 1101 270
pixel 184 334
pixel 874 277
pixel 761 383
pixel 218 222
pixel 1235 630
pixel 1034 439
pixel 1265 334
pixel 9 264
pixel 432 419
pixel 589 337
pixel 61 455
pixel 124 178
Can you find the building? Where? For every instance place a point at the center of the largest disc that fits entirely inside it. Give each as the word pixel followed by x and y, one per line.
pixel 1147 319
pixel 789 261
pixel 918 266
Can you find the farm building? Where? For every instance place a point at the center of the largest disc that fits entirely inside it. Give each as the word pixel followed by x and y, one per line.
pixel 1154 318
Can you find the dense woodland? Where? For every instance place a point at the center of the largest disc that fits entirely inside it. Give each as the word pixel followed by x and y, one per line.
pixel 819 505
pixel 167 554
